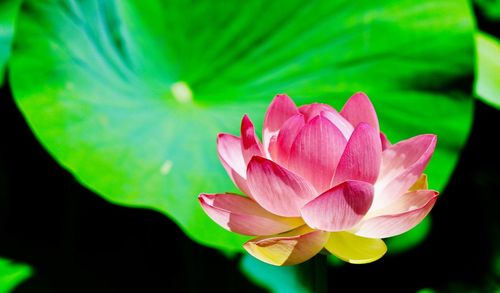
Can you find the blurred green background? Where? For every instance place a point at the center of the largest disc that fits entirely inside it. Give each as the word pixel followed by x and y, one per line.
pixel 122 101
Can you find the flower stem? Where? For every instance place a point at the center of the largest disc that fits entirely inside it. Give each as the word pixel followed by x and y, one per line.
pixel 313 274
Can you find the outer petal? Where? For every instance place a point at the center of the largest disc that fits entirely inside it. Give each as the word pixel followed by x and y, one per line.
pixel 339 208
pixel 250 144
pixel 316 152
pixel 286 137
pixel 359 109
pixel 290 248
pixel 231 157
pixel 276 189
pixel 399 217
pixel 243 215
pixel 362 156
pixel 355 249
pixel 280 110
pixel 402 165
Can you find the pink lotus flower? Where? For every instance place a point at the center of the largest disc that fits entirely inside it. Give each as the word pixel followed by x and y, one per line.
pixel 321 179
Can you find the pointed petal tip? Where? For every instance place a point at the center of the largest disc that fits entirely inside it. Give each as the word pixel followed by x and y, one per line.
pixel 359 108
pixel 280 109
pixel 222 135
pixel 245 119
pixel 282 98
pixel 256 159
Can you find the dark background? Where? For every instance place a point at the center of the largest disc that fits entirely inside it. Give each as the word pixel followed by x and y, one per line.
pixel 78 242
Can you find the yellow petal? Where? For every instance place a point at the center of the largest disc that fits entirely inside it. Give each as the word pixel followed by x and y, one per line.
pixel 288 248
pixel 420 184
pixel 355 249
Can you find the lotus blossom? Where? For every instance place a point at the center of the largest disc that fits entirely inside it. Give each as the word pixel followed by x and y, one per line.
pixel 321 180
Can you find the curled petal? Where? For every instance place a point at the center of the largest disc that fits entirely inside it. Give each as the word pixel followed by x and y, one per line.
pixel 231 157
pixel 286 137
pixel 402 164
pixel 289 248
pixel 359 109
pixel 250 144
pixel 280 110
pixel 339 208
pixel 355 249
pixel 276 189
pixel 316 152
pixel 398 217
pixel 362 156
pixel 244 216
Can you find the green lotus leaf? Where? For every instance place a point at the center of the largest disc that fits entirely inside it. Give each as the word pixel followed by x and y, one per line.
pixel 487 86
pixel 8 13
pixel 130 95
pixel 490 8
pixel 12 274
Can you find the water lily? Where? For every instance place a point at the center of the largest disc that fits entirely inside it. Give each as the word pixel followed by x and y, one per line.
pixel 321 180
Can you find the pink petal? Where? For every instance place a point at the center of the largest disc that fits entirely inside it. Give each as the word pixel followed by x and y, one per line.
pixel 385 142
pixel 244 216
pixel 290 248
pixel 316 152
pixel 342 124
pixel 276 189
pixel 339 208
pixel 231 157
pixel 280 110
pixel 250 144
pixel 402 215
pixel 286 137
pixel 310 111
pixel 362 156
pixel 359 109
pixel 402 164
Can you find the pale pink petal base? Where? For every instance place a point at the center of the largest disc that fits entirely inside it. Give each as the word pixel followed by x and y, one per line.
pixel 402 164
pixel 244 216
pixel 398 217
pixel 290 248
pixel 339 208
